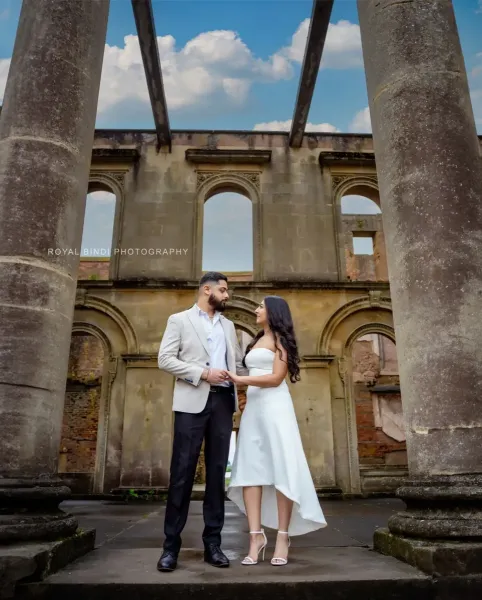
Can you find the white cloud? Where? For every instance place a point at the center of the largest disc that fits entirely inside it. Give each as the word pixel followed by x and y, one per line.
pixel 212 63
pixel 342 45
pixel 286 126
pixel 362 122
pixel 213 67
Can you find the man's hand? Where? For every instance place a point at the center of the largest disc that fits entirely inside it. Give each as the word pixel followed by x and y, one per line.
pixel 216 376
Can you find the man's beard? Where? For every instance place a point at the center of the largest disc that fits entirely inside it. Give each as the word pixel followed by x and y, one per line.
pixel 219 305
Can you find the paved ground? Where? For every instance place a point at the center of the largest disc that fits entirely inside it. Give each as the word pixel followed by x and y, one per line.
pixel 129 539
pixel 351 523
pixel 335 563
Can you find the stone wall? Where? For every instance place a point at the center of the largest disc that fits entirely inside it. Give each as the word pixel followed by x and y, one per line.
pixel 300 242
pixel 94 269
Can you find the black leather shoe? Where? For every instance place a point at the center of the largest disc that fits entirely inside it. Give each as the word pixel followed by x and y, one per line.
pixel 167 562
pixel 215 557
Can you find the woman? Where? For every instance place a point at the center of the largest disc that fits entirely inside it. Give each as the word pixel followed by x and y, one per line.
pixel 270 480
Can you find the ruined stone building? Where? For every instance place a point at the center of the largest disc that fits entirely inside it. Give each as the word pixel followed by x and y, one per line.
pixel 308 247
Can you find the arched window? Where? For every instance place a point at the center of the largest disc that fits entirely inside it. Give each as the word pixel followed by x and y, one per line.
pixel 78 446
pixel 353 204
pixel 96 247
pixel 364 241
pixel 228 236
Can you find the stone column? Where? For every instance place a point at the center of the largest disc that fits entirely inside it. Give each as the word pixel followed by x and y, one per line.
pixel 429 169
pixel 46 136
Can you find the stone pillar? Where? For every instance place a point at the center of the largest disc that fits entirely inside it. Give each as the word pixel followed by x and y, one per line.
pixel 430 176
pixel 46 136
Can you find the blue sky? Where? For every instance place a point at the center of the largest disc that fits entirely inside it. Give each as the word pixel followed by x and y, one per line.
pixel 235 64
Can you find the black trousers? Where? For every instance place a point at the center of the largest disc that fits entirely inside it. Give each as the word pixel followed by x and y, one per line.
pixel 214 425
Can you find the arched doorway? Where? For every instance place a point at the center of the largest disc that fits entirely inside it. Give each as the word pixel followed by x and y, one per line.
pixel 376 396
pixel 79 460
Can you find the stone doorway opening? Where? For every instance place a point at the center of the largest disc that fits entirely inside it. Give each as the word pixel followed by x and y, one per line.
pixel 382 452
pixel 78 456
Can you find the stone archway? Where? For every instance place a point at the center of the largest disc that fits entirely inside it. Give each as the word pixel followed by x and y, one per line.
pixel 87 408
pixel 98 317
pixel 363 315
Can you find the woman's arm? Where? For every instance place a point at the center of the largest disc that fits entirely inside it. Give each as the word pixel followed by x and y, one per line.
pixel 280 370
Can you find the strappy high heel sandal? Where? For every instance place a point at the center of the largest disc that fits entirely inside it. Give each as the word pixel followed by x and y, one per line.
pixel 278 562
pixel 248 560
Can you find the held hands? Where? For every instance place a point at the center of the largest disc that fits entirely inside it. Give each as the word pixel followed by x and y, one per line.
pixel 236 379
pixel 216 376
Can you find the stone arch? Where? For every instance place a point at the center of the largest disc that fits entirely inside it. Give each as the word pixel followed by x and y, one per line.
pixel 109 370
pixel 101 318
pixel 363 185
pixel 105 181
pixel 210 183
pixel 368 314
pixel 373 301
pixel 126 336
pixel 90 328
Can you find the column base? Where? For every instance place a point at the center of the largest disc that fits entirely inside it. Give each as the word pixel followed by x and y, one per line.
pixel 437 558
pixel 440 531
pixel 31 561
pixel 29 511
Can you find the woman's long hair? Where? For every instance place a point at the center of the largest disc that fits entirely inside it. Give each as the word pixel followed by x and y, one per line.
pixel 281 325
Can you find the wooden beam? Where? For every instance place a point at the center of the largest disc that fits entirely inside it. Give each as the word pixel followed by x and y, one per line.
pixel 146 31
pixel 320 19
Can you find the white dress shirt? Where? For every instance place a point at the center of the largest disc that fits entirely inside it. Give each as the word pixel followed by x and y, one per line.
pixel 216 341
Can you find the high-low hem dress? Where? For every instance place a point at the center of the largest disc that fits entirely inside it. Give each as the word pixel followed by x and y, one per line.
pixel 269 453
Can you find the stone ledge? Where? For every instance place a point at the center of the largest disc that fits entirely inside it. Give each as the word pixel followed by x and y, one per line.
pixel 115 155
pixel 437 558
pixel 144 283
pixel 32 562
pixel 240 157
pixel 347 158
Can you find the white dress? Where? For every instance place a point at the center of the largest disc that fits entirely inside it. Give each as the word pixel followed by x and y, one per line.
pixel 269 453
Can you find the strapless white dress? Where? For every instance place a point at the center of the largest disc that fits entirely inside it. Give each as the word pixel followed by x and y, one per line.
pixel 269 453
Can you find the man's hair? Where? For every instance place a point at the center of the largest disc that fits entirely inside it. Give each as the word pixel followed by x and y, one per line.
pixel 212 277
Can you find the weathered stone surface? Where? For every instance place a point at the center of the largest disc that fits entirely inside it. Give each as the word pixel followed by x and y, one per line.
pixel 434 558
pixel 430 176
pixel 35 562
pixel 46 135
pixel 428 165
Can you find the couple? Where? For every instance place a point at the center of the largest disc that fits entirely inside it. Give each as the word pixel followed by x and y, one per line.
pixel 270 480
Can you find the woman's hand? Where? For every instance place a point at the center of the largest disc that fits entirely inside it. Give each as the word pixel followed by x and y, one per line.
pixel 236 379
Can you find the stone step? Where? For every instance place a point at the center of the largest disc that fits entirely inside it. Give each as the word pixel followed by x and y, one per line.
pixel 312 573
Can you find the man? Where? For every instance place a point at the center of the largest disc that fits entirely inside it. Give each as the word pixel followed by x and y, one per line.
pixel 199 346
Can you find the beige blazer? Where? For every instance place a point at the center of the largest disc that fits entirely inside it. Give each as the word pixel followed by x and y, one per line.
pixel 184 353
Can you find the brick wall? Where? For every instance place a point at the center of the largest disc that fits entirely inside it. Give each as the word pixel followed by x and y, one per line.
pixel 374 363
pixel 94 268
pixel 81 409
